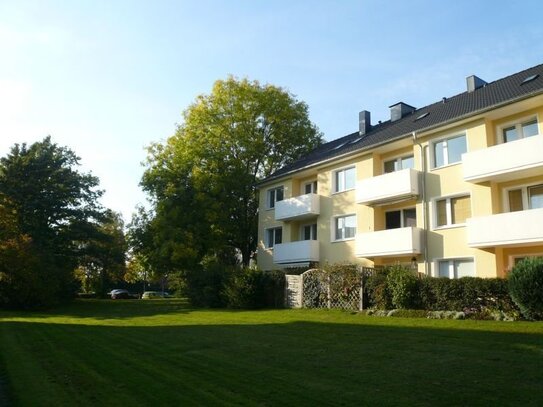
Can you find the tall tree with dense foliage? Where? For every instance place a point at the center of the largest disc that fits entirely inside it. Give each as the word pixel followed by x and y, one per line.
pixel 202 181
pixel 49 209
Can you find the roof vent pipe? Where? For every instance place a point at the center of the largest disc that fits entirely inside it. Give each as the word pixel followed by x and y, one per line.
pixel 474 82
pixel 364 122
pixel 399 110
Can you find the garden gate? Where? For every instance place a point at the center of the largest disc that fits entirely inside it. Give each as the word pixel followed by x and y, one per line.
pixel 317 288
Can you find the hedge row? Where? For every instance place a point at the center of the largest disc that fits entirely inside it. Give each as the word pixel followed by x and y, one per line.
pixel 216 285
pixel 397 287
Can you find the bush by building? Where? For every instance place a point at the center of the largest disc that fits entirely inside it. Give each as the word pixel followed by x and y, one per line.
pixel 526 287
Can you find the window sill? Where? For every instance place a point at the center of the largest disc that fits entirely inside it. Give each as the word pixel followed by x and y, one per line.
pixel 445 227
pixel 345 190
pixel 446 166
pixel 343 240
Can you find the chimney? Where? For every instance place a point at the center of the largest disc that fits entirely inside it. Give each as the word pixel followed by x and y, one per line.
pixel 474 82
pixel 364 122
pixel 399 110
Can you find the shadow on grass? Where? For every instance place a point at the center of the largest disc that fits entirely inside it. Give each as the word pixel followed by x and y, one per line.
pixel 308 363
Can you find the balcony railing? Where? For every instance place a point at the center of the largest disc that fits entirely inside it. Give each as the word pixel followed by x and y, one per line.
pixel 297 208
pixel 391 242
pixel 394 186
pixel 517 159
pixel 302 251
pixel 506 229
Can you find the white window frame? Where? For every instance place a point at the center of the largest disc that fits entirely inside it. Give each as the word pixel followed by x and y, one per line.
pixel 334 221
pixel 445 155
pixel 518 125
pixel 274 189
pixel 451 261
pixel 512 257
pixel 402 218
pixel 266 235
pixel 398 160
pixel 449 210
pixel 314 187
pixel 302 237
pixel 524 191
pixel 334 176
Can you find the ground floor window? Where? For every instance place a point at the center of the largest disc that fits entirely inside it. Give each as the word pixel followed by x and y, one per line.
pixel 456 268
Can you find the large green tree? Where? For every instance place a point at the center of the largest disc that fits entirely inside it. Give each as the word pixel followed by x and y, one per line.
pixel 202 180
pixel 49 211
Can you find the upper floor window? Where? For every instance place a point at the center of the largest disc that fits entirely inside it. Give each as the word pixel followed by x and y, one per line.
pixel 401 218
pixel 449 151
pixel 520 130
pixel 309 232
pixel 274 236
pixel 400 163
pixel 452 211
pixel 344 179
pixel 344 227
pixel 275 195
pixel 456 268
pixel 310 187
pixel 527 197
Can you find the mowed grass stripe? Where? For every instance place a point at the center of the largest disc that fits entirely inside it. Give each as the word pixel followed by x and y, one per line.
pixel 164 353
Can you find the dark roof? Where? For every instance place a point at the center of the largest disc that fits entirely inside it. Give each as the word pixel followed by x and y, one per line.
pixel 491 95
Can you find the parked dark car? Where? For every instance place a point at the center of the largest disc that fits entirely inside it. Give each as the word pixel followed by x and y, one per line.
pixel 122 294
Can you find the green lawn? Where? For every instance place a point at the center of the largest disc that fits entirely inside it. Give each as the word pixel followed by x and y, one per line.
pixel 162 352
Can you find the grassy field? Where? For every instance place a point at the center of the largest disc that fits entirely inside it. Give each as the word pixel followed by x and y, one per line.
pixel 164 353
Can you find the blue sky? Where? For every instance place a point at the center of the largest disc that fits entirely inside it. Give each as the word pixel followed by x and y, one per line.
pixel 107 78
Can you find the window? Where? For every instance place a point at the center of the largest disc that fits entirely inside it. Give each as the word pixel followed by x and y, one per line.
pixel 401 219
pixel 309 232
pixel 400 163
pixel 344 179
pixel 344 227
pixel 275 195
pixel 452 211
pixel 449 151
pixel 456 268
pixel 310 188
pixel 527 197
pixel 520 130
pixel 274 236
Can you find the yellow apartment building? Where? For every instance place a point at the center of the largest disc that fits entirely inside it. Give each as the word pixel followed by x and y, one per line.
pixel 452 189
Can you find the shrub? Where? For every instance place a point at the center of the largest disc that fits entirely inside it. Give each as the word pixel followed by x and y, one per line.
pixel 403 286
pixel 379 295
pixel 204 284
pixel 526 287
pixel 252 288
pixel 471 294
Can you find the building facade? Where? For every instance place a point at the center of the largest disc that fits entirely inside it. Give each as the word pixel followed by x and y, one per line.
pixel 452 189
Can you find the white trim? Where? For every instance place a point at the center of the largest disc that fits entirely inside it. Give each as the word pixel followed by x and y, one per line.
pixel 335 171
pixel 431 150
pixel 451 260
pixel 511 258
pixel 268 207
pixel 402 220
pixel 333 227
pixel 302 187
pixel 303 225
pixel 524 192
pixel 517 124
pixel 397 158
pixel 448 209
pixel 266 241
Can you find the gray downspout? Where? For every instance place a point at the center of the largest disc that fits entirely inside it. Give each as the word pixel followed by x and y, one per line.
pixel 424 201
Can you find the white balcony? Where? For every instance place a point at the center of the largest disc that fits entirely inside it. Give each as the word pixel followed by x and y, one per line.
pixel 303 251
pixel 503 162
pixel 394 186
pixel 297 208
pixel 506 229
pixel 391 242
